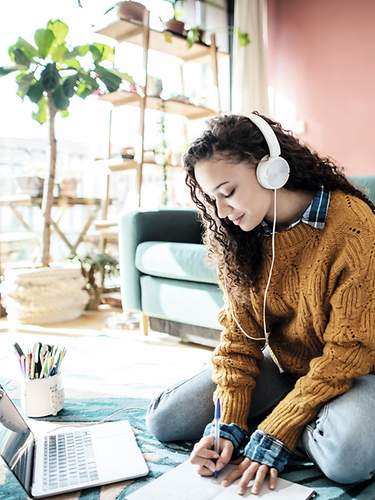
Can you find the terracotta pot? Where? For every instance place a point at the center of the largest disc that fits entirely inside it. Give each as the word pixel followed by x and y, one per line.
pixel 130 11
pixel 177 27
pixel 68 186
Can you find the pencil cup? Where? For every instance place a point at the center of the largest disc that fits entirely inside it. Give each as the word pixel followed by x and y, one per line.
pixel 42 397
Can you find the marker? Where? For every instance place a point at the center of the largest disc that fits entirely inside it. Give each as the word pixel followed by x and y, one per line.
pixel 18 349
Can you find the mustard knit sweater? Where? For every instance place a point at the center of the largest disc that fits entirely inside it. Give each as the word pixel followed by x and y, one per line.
pixel 321 315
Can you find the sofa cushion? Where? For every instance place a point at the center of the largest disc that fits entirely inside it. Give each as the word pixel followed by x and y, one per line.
pixel 182 261
pixel 182 301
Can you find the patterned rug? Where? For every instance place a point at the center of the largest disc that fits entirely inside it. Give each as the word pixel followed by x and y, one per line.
pixel 161 457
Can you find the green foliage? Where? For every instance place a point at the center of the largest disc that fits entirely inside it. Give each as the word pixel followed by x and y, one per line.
pixel 243 38
pixel 51 68
pixel 101 262
pixel 97 265
pixel 193 35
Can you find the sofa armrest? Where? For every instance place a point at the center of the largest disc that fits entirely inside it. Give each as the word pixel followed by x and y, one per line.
pixel 366 182
pixel 177 225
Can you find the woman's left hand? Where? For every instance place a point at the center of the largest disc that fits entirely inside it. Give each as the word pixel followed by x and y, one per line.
pixel 251 470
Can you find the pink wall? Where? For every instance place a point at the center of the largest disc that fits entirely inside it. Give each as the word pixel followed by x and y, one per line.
pixel 322 59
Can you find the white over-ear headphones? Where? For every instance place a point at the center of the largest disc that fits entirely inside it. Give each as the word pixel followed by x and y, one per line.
pixel 272 170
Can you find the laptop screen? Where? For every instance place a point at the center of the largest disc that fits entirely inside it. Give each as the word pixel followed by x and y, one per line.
pixel 16 442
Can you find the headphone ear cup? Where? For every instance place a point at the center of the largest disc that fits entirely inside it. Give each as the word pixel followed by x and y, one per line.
pixel 272 173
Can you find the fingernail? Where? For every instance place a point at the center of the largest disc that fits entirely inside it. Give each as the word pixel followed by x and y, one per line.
pixel 225 482
pixel 240 492
pixel 254 491
pixel 216 455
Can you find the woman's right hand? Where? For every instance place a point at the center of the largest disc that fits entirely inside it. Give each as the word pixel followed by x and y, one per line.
pixel 207 459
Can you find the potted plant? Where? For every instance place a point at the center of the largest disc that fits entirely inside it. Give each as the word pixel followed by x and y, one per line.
pixel 128 10
pixel 96 267
pixel 49 74
pixel 175 25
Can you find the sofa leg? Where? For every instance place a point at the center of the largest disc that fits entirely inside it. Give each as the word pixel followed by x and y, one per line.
pixel 145 324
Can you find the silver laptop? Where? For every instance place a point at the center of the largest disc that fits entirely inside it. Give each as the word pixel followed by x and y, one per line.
pixel 59 462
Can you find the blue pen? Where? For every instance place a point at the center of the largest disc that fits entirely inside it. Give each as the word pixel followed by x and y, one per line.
pixel 217 431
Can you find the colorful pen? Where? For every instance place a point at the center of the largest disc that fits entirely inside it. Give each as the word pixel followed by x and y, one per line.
pixel 217 431
pixel 41 361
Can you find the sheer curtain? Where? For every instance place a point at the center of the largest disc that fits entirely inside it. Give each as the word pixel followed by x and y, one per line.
pixel 250 86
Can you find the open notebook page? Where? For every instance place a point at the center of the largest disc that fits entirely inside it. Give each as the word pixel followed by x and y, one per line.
pixel 184 483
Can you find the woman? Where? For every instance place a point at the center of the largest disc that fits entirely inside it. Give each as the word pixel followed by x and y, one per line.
pixel 294 370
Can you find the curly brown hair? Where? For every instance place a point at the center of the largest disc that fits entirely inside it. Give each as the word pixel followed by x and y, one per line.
pixel 238 254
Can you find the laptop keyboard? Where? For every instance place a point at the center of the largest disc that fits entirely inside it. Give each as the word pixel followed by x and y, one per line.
pixel 68 460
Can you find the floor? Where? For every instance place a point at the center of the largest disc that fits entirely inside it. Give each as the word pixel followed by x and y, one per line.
pixel 102 360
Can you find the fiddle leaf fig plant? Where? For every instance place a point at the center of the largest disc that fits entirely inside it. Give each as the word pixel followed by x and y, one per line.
pixel 50 73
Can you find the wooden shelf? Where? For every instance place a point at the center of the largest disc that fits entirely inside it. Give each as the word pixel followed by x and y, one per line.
pixel 110 235
pixel 116 165
pixel 14 237
pixel 126 31
pixel 187 109
pixel 104 224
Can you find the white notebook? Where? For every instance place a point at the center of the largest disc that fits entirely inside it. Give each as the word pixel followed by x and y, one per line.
pixel 184 483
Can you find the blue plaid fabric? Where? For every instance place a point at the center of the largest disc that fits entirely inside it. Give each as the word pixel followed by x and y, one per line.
pixel 315 214
pixel 265 449
pixel 233 433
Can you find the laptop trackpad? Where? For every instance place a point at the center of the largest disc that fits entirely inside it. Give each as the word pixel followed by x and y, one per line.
pixel 116 452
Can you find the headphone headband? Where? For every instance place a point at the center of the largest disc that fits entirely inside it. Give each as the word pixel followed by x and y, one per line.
pixel 268 134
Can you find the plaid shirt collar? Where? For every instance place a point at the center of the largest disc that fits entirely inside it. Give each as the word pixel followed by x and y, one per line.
pixel 315 214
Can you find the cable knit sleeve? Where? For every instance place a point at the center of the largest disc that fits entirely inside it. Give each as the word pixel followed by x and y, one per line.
pixel 349 344
pixel 236 364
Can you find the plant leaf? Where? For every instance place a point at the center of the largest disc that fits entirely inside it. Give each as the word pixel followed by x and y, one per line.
pixel 72 63
pixel 59 29
pixel 108 77
pixel 44 39
pixel 123 76
pixel 83 90
pixel 35 92
pixel 5 70
pixel 21 58
pixel 87 85
pixel 168 37
pixel 29 50
pixel 101 52
pixel 193 36
pixel 88 81
pixel 24 81
pixel 58 52
pixel 79 50
pixel 50 77
pixel 96 54
pixel 243 38
pixel 70 85
pixel 59 98
pixel 64 113
pixel 42 114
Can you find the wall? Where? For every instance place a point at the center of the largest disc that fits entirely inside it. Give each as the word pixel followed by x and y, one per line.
pixel 322 75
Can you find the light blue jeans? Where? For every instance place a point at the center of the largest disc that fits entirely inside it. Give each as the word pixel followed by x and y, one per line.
pixel 341 440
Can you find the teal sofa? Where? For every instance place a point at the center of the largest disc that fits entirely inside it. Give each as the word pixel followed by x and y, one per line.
pixel 166 275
